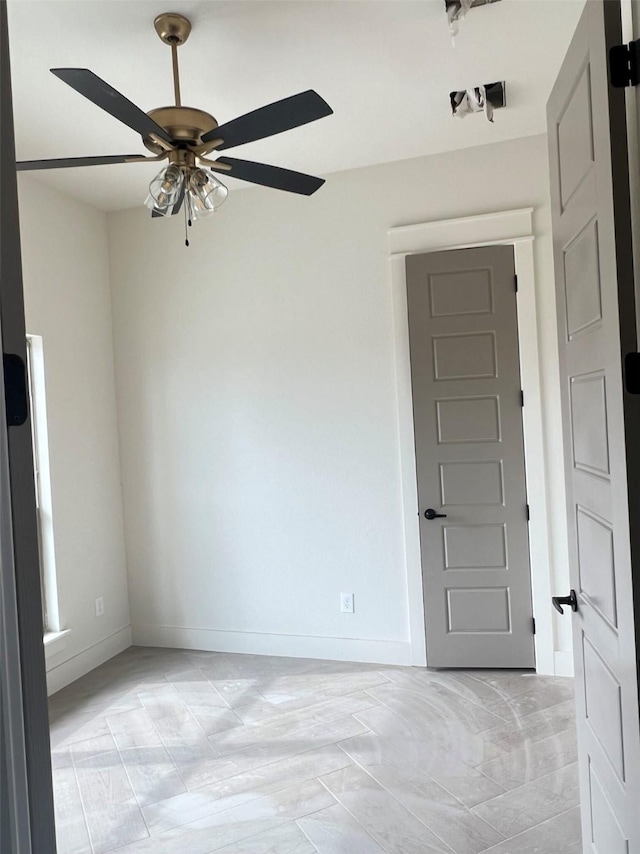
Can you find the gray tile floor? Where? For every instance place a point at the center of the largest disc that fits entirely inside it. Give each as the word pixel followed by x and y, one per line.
pixel 182 752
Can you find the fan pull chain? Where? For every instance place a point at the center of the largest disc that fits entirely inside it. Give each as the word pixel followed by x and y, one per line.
pixel 187 218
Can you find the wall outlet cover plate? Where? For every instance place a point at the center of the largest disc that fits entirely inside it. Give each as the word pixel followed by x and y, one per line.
pixel 346 603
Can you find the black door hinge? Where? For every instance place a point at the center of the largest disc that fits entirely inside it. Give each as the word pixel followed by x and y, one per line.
pixel 632 373
pixel 515 282
pixel 15 390
pixel 528 513
pixel 533 624
pixel 624 65
pixel 521 398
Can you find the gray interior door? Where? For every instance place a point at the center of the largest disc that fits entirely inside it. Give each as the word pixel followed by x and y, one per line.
pixel 594 282
pixel 26 813
pixel 467 405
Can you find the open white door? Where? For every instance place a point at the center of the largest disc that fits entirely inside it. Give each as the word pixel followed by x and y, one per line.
pixel 596 315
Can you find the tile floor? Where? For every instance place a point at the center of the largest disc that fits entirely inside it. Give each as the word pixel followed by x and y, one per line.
pixel 183 752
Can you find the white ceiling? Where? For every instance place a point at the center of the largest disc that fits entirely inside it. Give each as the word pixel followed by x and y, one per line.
pixel 385 66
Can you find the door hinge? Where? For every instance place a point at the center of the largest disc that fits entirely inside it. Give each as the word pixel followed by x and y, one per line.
pixel 624 65
pixel 533 624
pixel 521 398
pixel 528 513
pixel 632 373
pixel 15 390
pixel 515 282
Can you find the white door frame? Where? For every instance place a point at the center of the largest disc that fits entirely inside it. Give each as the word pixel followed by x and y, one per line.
pixel 512 228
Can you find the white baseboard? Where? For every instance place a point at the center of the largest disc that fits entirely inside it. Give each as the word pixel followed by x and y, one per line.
pixel 291 646
pixel 60 675
pixel 563 663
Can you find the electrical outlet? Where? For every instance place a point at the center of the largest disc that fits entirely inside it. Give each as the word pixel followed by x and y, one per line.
pixel 346 603
pixel 100 606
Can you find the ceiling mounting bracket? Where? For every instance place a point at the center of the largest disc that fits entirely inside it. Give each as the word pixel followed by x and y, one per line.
pixel 173 29
pixel 624 65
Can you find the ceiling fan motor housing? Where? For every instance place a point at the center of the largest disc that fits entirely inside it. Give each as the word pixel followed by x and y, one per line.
pixel 185 125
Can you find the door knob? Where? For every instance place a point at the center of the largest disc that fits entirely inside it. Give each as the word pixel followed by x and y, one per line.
pixel 431 514
pixel 571 600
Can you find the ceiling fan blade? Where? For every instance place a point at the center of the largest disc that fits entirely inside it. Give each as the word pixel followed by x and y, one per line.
pixel 176 208
pixel 271 176
pixel 105 96
pixel 178 204
pixel 68 162
pixel 274 118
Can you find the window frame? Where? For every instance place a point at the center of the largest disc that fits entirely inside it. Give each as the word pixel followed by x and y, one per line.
pixel 40 440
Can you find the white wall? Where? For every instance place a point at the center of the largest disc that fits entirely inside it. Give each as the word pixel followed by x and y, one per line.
pixel 258 412
pixel 67 302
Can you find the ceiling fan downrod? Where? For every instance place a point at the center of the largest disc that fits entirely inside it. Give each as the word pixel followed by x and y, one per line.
pixel 174 30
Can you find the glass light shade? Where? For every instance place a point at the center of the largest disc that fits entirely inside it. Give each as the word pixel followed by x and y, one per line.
pixel 206 192
pixel 164 190
pixel 150 202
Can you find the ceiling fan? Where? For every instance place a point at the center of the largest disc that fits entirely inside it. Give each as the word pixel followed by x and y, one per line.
pixel 185 136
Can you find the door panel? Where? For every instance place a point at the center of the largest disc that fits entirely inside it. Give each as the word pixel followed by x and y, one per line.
pixel 461 293
pixel 596 566
pixel 465 484
pixel 478 610
pixel 575 138
pixel 582 281
pixel 596 316
pixel 589 432
pixel 466 356
pixel 488 541
pixel 469 450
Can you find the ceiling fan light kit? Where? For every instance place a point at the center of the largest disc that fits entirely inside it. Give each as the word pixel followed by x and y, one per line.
pixel 185 136
pixel 165 189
